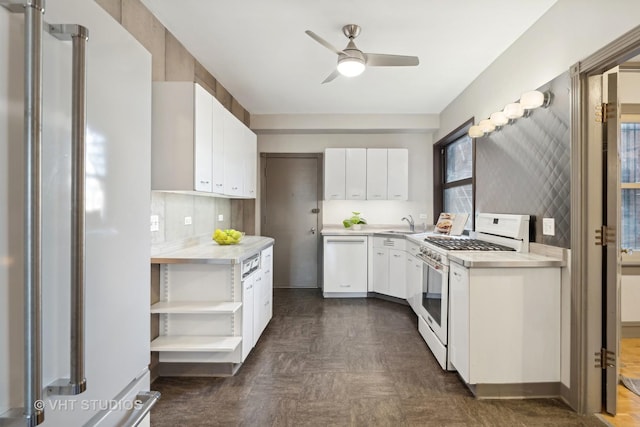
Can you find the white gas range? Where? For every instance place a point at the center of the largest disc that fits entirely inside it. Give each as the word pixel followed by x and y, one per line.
pixel 494 232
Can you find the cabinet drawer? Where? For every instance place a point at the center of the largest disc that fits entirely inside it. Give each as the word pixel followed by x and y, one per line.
pixel 389 242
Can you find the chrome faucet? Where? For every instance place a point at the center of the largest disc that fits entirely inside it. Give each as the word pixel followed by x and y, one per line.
pixel 410 221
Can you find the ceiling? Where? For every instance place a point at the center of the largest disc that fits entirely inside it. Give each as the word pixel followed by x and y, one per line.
pixel 258 49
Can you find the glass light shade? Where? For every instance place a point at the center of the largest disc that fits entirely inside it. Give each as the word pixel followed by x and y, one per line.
pixel 487 126
pixel 476 132
pixel 513 111
pixel 350 67
pixel 532 99
pixel 498 118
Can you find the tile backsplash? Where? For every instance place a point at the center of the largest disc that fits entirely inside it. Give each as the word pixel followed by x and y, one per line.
pixel 525 167
pixel 172 208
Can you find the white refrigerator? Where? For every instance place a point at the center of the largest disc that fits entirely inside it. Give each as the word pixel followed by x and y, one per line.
pixel 114 336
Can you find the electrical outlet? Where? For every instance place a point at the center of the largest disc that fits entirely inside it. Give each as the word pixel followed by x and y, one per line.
pixel 548 226
pixel 220 217
pixel 187 220
pixel 155 223
pixel 423 216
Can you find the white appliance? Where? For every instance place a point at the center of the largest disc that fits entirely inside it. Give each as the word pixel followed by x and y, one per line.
pixel 494 232
pixel 74 336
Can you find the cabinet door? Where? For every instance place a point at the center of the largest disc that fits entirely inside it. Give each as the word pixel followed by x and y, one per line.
pixel 218 146
pixel 376 174
pixel 380 261
pixel 250 156
pixel 247 316
pixel 334 174
pixel 267 273
pixel 398 174
pixel 397 273
pixel 203 133
pixel 258 305
pixel 345 264
pixel 459 319
pixel 414 283
pixel 356 173
pixel 233 147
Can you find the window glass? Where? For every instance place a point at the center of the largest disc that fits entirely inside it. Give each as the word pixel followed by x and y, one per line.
pixel 630 214
pixel 630 179
pixel 459 200
pixel 459 159
pixel 629 152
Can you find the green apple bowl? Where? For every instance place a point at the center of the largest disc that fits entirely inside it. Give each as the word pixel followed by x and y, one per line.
pixel 227 237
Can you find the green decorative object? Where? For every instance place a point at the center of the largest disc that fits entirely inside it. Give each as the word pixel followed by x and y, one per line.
pixel 354 220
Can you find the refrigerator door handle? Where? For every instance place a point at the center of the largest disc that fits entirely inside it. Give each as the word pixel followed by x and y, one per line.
pixel 33 413
pixel 76 383
pixel 145 400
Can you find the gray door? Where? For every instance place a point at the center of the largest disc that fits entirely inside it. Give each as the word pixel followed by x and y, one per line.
pixel 289 214
pixel 613 254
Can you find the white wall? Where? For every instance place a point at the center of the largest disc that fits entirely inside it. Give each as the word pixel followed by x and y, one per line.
pixel 420 146
pixel 569 32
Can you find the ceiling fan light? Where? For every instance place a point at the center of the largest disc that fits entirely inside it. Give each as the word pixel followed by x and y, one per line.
pixel 486 126
pixel 533 99
pixel 476 131
pixel 350 67
pixel 513 111
pixel 498 118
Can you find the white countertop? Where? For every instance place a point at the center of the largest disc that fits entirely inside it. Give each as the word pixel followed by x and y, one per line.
pixel 213 253
pixel 503 259
pixel 394 230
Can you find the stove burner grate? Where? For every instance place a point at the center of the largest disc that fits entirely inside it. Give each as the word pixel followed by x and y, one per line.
pixel 466 244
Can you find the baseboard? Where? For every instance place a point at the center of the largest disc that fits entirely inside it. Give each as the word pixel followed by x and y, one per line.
pixel 630 330
pixel 387 298
pixel 515 391
pixel 171 369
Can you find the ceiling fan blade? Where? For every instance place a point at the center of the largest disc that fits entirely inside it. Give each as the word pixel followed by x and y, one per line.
pixel 323 42
pixel 331 77
pixel 382 60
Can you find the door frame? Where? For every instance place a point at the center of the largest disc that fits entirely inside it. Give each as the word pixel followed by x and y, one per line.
pixel 320 191
pixel 585 392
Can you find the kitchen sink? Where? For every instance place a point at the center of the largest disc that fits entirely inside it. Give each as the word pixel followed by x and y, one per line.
pixel 399 232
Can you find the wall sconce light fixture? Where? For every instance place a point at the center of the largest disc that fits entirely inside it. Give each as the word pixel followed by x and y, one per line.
pixel 528 101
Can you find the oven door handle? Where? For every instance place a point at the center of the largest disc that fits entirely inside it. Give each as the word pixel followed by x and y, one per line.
pixel 433 264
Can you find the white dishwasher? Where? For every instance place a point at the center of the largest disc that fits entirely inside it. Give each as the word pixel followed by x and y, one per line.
pixel 345 266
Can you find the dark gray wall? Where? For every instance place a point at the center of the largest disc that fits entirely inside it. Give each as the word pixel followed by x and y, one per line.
pixel 524 168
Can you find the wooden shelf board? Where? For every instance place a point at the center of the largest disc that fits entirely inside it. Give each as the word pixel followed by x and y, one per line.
pixel 188 307
pixel 203 343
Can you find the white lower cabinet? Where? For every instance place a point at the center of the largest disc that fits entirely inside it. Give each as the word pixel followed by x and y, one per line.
pixel 209 314
pixel 389 267
pixel 248 314
pixel 345 265
pixel 414 282
pixel 505 324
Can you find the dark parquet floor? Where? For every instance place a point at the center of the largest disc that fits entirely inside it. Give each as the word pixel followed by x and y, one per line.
pixel 343 362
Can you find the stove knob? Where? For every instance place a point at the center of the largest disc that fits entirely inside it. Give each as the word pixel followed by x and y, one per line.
pixel 438 258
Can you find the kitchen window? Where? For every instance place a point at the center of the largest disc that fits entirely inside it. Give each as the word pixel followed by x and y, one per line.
pixel 630 181
pixel 454 166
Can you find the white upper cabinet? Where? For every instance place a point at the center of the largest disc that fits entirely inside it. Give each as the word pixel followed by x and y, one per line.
pixel 203 131
pixel 334 173
pixel 218 146
pixel 398 174
pixel 173 136
pixel 250 156
pixel 198 145
pixel 356 173
pixel 376 174
pixel 233 155
pixel 366 174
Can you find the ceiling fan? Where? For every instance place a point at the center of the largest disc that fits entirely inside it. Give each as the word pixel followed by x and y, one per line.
pixel 352 61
